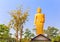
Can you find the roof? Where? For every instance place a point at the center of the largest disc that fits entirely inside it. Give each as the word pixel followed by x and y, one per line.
pixel 41 37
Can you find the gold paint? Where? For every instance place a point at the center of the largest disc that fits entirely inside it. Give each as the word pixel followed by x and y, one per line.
pixel 39 21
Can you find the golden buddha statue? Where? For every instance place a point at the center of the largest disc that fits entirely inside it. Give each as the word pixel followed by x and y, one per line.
pixel 39 21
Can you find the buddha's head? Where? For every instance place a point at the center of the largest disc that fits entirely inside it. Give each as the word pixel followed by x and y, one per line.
pixel 38 10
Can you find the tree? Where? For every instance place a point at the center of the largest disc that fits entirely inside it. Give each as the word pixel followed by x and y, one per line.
pixel 27 35
pixel 4 33
pixel 51 32
pixel 17 21
pixel 57 39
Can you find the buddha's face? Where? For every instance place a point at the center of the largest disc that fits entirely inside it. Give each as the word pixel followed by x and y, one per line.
pixel 38 10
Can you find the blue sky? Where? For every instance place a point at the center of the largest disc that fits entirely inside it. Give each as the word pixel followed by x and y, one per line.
pixel 51 9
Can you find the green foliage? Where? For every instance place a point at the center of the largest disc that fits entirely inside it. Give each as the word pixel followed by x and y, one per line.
pixel 4 32
pixel 57 39
pixel 51 32
pixel 28 34
pixel 25 40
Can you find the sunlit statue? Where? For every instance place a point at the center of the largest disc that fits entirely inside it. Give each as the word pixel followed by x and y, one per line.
pixel 39 21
